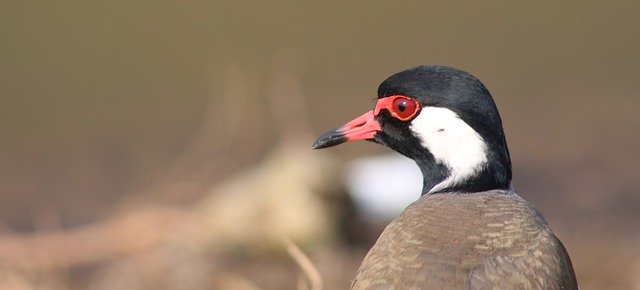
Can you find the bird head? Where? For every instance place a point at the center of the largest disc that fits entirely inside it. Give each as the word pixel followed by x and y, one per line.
pixel 445 120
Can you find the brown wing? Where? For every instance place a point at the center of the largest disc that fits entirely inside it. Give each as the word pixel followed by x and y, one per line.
pixel 491 240
pixel 535 271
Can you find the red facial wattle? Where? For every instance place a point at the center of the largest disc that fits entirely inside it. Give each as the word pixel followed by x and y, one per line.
pixel 366 126
pixel 400 107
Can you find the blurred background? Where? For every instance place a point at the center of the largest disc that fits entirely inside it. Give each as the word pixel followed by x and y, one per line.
pixel 166 145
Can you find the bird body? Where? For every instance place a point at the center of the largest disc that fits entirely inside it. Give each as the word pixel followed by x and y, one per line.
pixel 487 240
pixel 470 229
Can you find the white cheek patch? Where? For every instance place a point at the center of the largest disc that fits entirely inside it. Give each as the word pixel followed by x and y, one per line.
pixel 452 142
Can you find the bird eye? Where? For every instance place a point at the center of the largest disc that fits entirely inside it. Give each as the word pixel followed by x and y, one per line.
pixel 404 108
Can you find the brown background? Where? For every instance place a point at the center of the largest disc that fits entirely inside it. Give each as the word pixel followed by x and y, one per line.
pixel 101 100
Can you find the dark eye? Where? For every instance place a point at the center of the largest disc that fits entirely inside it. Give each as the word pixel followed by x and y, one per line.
pixel 404 108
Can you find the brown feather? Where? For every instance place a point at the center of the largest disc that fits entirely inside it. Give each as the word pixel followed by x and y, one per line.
pixel 486 240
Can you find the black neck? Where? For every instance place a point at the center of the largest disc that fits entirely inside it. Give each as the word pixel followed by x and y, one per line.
pixel 432 173
pixel 495 174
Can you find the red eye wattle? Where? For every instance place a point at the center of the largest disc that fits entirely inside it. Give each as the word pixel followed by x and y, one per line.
pixel 404 108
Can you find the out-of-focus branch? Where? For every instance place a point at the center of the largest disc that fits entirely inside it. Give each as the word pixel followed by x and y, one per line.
pixel 253 209
pixel 310 271
pixel 121 235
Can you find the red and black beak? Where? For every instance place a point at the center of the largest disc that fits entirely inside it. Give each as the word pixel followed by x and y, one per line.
pixel 364 127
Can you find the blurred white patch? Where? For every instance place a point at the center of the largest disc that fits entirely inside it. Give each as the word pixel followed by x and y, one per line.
pixel 383 186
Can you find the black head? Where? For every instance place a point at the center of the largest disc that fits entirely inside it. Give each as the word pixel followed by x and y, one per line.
pixel 442 118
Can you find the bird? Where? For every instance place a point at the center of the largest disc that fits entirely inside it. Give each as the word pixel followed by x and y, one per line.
pixel 469 229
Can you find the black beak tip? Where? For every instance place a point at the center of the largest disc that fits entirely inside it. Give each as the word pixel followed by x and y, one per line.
pixel 328 139
pixel 317 145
